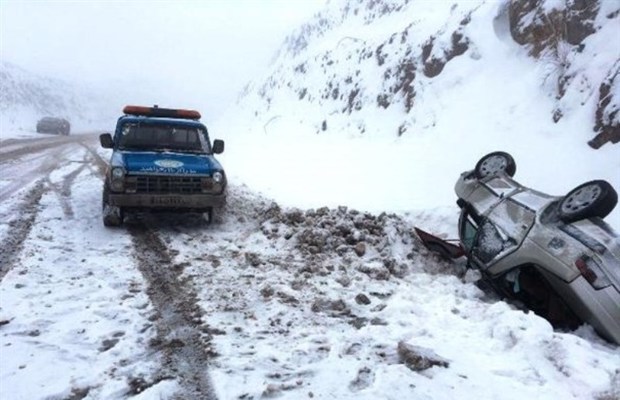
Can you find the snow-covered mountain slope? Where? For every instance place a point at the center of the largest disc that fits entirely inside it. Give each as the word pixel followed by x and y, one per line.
pixel 426 88
pixel 25 97
pixel 401 60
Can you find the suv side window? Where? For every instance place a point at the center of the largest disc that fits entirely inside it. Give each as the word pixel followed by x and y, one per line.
pixel 469 229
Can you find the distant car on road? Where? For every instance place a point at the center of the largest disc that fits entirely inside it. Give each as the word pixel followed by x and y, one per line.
pixel 554 255
pixel 59 126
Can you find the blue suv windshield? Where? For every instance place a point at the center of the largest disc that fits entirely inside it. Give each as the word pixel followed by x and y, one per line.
pixel 157 137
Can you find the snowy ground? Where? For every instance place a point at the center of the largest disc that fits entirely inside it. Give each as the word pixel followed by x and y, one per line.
pixel 275 302
pixel 314 285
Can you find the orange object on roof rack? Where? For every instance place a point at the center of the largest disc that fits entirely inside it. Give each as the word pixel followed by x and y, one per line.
pixel 161 112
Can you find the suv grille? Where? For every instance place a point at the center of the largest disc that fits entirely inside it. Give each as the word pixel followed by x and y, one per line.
pixel 168 184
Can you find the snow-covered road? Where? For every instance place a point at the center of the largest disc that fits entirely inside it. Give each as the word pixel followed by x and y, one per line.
pixel 86 311
pixel 328 303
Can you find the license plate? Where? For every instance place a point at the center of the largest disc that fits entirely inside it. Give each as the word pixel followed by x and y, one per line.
pixel 167 201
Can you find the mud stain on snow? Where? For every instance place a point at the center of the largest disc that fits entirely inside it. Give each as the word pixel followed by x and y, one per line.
pixel 12 245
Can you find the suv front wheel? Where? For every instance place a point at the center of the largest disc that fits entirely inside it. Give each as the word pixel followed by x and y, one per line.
pixel 112 215
pixel 495 162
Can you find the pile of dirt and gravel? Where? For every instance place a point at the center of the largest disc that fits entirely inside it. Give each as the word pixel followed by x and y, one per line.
pixel 268 273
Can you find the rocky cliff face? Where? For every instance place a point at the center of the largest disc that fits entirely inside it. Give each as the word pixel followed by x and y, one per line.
pixel 385 57
pixel 558 31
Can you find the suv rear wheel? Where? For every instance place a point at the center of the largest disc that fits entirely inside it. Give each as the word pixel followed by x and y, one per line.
pixel 591 199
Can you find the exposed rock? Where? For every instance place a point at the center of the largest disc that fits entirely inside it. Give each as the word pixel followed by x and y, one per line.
pixel 287 298
pixel 344 280
pixel 358 322
pixel 378 321
pixel 107 344
pixel 435 63
pixel 324 305
pixel 375 271
pixel 534 25
pixel 365 377
pixel 360 249
pixel 418 358
pixel 580 15
pixel 267 291
pixel 253 259
pixel 362 299
pixel 607 118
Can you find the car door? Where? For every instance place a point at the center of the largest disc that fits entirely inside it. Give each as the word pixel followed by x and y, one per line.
pixel 482 240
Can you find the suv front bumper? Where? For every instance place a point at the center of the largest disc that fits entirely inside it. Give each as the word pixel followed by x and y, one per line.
pixel 179 202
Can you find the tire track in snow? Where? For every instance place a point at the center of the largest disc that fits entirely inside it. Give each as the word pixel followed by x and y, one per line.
pixel 24 147
pixel 12 245
pixel 186 350
pixel 26 213
pixel 99 162
pixel 23 165
pixel 179 337
pixel 63 190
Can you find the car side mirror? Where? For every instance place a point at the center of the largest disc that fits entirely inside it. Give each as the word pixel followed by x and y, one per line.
pixel 106 141
pixel 218 146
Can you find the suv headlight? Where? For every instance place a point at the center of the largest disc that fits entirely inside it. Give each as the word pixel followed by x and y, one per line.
pixel 213 184
pixel 118 173
pixel 118 179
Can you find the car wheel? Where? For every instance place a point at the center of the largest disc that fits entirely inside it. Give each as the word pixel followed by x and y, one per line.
pixel 591 199
pixel 112 216
pixel 215 215
pixel 495 162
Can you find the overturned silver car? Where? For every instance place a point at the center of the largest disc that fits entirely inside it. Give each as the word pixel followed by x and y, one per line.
pixel 552 255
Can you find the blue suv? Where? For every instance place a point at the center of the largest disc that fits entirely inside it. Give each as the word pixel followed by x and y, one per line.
pixel 162 160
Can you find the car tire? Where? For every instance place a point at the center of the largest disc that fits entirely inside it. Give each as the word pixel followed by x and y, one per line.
pixel 592 199
pixel 215 215
pixel 112 216
pixel 495 162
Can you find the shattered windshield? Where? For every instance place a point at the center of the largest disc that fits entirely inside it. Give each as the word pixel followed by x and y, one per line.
pixel 186 139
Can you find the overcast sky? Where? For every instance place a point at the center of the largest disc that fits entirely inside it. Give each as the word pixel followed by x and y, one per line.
pixel 199 53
